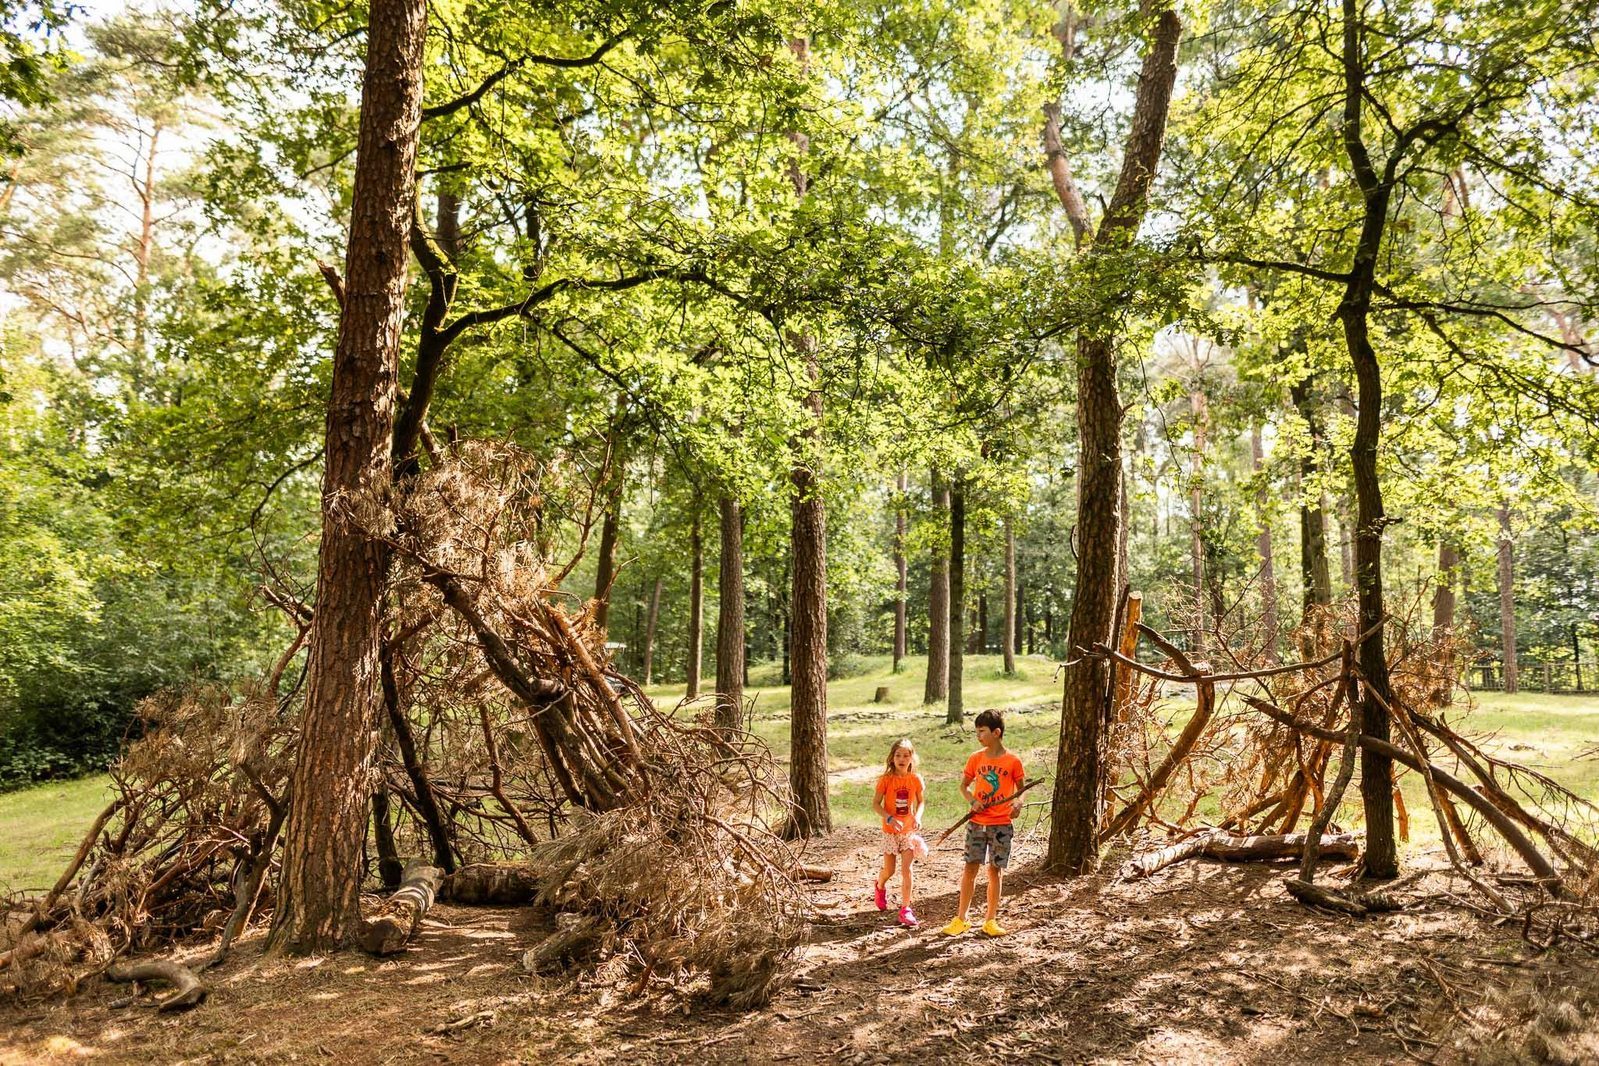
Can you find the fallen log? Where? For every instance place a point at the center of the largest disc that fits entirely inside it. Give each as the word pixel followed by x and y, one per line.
pixel 491 882
pixel 396 923
pixel 819 874
pixel 188 989
pixel 1238 849
pixel 1356 905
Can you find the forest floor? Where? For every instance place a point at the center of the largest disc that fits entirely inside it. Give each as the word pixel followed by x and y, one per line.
pixel 1204 962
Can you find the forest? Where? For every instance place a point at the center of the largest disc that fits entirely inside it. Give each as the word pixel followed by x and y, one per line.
pixel 509 475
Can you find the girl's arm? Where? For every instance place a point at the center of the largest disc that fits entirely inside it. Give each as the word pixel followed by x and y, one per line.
pixel 880 802
pixel 921 802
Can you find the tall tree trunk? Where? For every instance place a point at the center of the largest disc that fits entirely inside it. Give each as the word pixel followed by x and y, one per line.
pixel 651 619
pixel 937 687
pixel 1443 621
pixel 979 642
pixel 1315 576
pixel 1376 771
pixel 1507 601
pixel 1196 502
pixel 807 769
pixel 696 604
pixel 1268 567
pixel 900 487
pixel 1010 639
pixel 730 619
pixel 605 565
pixel 319 887
pixel 956 710
pixel 1080 763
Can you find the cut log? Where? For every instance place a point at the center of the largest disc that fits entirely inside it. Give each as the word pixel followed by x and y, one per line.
pixel 819 874
pixel 491 882
pixel 393 927
pixel 1239 849
pixel 188 989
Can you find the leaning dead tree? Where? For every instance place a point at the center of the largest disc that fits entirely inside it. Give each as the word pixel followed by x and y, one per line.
pixel 1274 748
pixel 516 764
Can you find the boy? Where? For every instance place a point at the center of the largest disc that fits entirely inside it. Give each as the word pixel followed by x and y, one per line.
pixel 990 779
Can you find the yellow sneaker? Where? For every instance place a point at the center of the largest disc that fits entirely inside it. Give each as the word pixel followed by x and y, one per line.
pixel 957 927
pixel 993 928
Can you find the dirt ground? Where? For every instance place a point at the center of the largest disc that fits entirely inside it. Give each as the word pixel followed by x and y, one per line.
pixel 1204 962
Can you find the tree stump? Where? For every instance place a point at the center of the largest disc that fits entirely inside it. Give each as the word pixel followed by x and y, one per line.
pixel 881 696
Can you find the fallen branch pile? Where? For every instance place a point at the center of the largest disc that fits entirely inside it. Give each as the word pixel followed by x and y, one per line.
pixel 514 759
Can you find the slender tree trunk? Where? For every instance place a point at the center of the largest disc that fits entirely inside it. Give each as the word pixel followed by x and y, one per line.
pixel 605 565
pixel 649 631
pixel 1080 764
pixel 1268 568
pixel 1315 576
pixel 319 888
pixel 1507 601
pixel 956 710
pixel 144 252
pixel 1380 859
pixel 1196 503
pixel 807 769
pixel 1443 622
pixel 979 642
pixel 696 604
pixel 937 687
pixel 730 619
pixel 901 485
pixel 1010 639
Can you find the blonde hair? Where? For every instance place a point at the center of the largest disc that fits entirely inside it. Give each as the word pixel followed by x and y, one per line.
pixel 902 742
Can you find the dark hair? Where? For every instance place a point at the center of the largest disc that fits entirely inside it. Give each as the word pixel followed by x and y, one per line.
pixel 991 719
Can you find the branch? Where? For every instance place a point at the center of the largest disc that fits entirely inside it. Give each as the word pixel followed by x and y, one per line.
pixel 514 65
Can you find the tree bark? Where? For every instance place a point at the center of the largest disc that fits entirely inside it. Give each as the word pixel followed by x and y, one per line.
pixel 605 564
pixel 650 621
pixel 937 687
pixel 1009 640
pixel 319 888
pixel 1507 602
pixel 1376 769
pixel 1269 623
pixel 900 487
pixel 730 619
pixel 1315 576
pixel 1196 502
pixel 809 814
pixel 1079 770
pixel 696 604
pixel 1443 622
pixel 955 711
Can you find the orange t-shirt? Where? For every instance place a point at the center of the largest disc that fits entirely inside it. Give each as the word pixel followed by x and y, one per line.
pixel 901 794
pixel 996 779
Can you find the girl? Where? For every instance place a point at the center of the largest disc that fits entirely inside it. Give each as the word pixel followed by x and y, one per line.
pixel 898 801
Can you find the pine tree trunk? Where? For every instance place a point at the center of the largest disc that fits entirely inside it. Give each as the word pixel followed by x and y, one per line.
pixel 1010 639
pixel 807 769
pixel 1268 569
pixel 1080 765
pixel 937 687
pixel 730 619
pixel 955 713
pixel 1507 602
pixel 696 605
pixel 651 619
pixel 808 697
pixel 979 643
pixel 899 570
pixel 319 888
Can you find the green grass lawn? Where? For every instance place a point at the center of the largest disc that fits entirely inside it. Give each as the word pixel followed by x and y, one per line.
pixel 41 827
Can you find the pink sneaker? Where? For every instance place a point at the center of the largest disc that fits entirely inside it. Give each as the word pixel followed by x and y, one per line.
pixel 907 918
pixel 881 898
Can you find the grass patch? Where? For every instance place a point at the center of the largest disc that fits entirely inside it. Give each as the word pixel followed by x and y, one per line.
pixel 41 827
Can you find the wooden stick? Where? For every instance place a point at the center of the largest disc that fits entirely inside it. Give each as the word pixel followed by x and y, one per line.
pixel 991 803
pixel 190 990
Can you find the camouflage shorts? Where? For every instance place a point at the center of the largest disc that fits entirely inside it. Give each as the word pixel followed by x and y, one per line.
pixel 989 844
